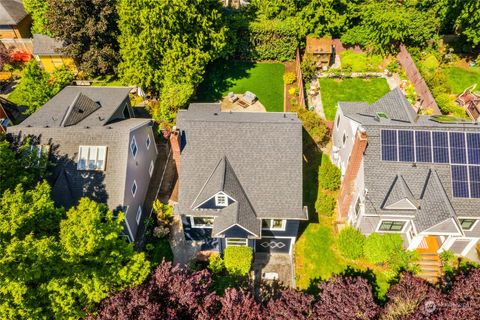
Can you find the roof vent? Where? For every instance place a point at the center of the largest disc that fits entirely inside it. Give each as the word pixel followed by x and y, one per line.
pixel 215 114
pixel 87 127
pixel 381 115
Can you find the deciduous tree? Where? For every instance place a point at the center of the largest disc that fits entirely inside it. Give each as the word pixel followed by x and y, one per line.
pixel 37 9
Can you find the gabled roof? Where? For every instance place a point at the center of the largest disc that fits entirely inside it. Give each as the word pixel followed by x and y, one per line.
pixel 80 108
pixel 14 112
pixel 11 12
pixel 256 158
pixel 399 196
pixel 395 105
pixel 46 46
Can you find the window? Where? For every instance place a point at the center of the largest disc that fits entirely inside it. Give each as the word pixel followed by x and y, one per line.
pixel 357 207
pixel 221 200
pixel 133 147
pixel 91 158
pixel 202 222
pixel 139 215
pixel 236 242
pixel 344 139
pixel 41 152
pixel 338 121
pixel 391 226
pixel 134 188
pixel 150 169
pixel 273 224
pixel 467 224
pixel 148 142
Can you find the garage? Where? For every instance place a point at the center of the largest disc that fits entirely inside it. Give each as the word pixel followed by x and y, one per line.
pixel 273 245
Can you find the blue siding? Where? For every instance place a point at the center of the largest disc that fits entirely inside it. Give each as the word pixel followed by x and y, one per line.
pixel 291 230
pixel 195 233
pixel 210 204
pixel 236 232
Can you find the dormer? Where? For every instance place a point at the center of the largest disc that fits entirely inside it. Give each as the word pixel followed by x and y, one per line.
pixel 217 201
pixel 399 197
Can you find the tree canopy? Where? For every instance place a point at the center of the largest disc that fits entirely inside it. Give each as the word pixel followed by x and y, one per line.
pixel 166 47
pixel 37 9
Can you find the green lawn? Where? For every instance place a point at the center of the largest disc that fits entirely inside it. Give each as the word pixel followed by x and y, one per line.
pixel 461 78
pixel 263 79
pixel 350 89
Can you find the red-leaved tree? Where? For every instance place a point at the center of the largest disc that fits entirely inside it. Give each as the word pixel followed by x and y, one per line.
pixel 464 297
pixel 290 305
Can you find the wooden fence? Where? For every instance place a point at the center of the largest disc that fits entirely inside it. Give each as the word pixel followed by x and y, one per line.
pixel 298 72
pixel 421 88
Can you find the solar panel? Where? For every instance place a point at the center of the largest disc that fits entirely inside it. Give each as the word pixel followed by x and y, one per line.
pixel 473 148
pixel 457 148
pixel 474 181
pixel 440 147
pixel 405 146
pixel 389 145
pixel 460 181
pixel 423 146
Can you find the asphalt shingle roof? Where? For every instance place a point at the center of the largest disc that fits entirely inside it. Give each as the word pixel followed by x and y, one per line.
pixel 11 12
pixel 262 155
pixel 46 46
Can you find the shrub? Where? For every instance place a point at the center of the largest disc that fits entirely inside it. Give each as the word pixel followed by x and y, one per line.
pixel 293 91
pixel 216 264
pixel 350 243
pixel 325 203
pixel 164 213
pixel 381 248
pixel 329 175
pixel 309 69
pixel 238 260
pixel 289 77
pixel 313 124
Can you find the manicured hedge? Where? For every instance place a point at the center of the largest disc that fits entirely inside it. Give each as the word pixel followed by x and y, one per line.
pixel 350 243
pixel 325 203
pixel 329 175
pixel 380 248
pixel 238 260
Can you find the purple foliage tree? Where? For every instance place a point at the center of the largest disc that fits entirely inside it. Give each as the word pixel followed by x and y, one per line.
pixel 4 56
pixel 237 304
pixel 464 297
pixel 345 298
pixel 290 305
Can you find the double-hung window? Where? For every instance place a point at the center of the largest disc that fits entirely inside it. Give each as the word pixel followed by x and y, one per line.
pixel 91 158
pixel 202 222
pixel 134 147
pixel 236 242
pixel 273 224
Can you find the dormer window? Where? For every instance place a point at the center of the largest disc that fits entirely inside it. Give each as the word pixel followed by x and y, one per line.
pixel 221 200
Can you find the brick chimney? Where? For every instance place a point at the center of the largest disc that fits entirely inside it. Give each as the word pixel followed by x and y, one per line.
pixel 348 186
pixel 175 144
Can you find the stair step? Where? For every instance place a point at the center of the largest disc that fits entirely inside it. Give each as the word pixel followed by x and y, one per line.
pixel 429 263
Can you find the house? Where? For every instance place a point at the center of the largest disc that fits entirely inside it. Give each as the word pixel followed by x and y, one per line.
pixel 14 21
pixel 416 175
pixel 240 178
pixel 100 149
pixel 321 50
pixel 10 114
pixel 48 51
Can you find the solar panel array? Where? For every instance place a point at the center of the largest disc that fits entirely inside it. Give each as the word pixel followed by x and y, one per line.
pixel 459 149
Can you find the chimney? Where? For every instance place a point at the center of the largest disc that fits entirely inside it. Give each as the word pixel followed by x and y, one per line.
pixel 175 144
pixel 348 186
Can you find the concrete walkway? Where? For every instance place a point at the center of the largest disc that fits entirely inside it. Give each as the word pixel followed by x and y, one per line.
pixel 280 264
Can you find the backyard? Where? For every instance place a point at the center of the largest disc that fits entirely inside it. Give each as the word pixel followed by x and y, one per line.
pixel 350 89
pixel 461 78
pixel 265 80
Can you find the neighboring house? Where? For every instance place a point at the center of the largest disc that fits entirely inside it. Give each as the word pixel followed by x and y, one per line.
pixel 234 3
pixel 416 175
pixel 321 50
pixel 100 150
pixel 10 114
pixel 14 21
pixel 48 51
pixel 240 179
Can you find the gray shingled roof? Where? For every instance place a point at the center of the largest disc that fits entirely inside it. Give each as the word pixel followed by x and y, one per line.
pixel 399 192
pixel 53 112
pixel 79 110
pixel 46 46
pixel 68 183
pixel 379 176
pixel 11 12
pixel 262 164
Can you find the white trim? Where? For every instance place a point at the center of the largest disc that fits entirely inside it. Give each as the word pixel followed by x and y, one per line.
pixel 136 188
pixel 212 198
pixel 88 150
pixel 233 225
pixel 151 168
pixel 236 245
pixel 128 225
pixel 133 142
pixel 469 247
pixel 459 229
pixel 386 231
pixel 137 216
pixel 223 203
pixel 148 141
pixel 292 243
pixel 200 226
pixel 282 228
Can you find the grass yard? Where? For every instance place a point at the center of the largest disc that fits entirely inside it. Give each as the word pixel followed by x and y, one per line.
pixel 263 79
pixel 360 62
pixel 350 89
pixel 461 78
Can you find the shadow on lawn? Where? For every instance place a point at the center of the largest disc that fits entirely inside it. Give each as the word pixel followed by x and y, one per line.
pixel 220 77
pixel 312 158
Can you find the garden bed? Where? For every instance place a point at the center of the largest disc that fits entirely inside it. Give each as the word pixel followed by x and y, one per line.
pixel 265 80
pixel 352 90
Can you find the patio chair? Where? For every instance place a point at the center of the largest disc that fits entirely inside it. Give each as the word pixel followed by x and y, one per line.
pixel 249 97
pixel 232 97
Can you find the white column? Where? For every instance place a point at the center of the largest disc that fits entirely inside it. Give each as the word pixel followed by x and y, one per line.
pixel 447 244
pixel 415 242
pixel 469 247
